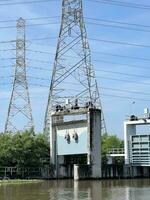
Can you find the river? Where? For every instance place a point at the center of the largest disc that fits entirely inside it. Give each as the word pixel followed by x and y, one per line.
pixel 86 190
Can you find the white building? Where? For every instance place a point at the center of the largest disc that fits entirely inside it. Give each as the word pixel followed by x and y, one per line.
pixel 137 146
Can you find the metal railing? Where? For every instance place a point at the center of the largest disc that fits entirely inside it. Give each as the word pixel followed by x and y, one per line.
pixel 26 172
pixel 116 151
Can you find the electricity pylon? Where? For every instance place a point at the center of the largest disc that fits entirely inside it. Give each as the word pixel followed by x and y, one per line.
pixel 19 112
pixel 73 76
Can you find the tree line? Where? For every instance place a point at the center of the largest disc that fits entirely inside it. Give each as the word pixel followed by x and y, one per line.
pixel 28 150
pixel 23 149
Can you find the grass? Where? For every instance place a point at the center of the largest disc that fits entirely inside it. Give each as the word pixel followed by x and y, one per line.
pixel 18 181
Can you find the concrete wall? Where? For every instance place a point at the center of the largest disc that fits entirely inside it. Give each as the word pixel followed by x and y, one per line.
pixel 125 171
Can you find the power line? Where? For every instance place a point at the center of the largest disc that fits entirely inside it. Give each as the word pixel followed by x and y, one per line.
pixel 105 94
pixel 101 70
pixel 39 78
pixel 123 90
pixel 28 25
pixel 93 19
pixel 98 52
pixel 126 74
pixel 93 39
pixel 91 23
pixel 101 61
pixel 3 77
pixel 105 61
pixel 121 64
pixel 117 22
pixel 30 40
pixel 30 19
pixel 122 4
pixel 124 97
pixel 39 68
pixel 122 80
pixel 122 56
pixel 98 61
pixel 99 77
pixel 7 42
pixel 44 38
pixel 7 49
pixel 106 41
pixel 7 58
pixel 7 66
pixel 108 25
pixel 38 60
pixel 42 52
pixel 28 67
pixel 114 79
pixel 26 2
pixel 94 60
pixel 105 88
pixel 120 27
pixel 88 18
pixel 120 42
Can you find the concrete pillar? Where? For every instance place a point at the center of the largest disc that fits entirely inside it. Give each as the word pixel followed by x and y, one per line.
pixel 127 171
pixel 134 172
pixel 111 168
pixel 95 142
pixel 145 172
pixel 116 172
pixel 128 131
pixel 76 173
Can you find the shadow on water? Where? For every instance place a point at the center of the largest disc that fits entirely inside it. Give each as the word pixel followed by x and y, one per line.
pixel 86 190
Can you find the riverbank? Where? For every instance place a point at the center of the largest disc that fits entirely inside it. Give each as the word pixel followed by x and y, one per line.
pixel 18 181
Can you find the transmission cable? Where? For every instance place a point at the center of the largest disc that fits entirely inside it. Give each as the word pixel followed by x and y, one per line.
pixel 26 2
pixel 122 4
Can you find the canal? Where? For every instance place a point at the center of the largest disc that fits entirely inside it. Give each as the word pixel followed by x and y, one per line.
pixel 86 190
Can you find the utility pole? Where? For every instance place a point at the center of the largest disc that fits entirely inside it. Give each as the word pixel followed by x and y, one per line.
pixel 19 116
pixel 73 76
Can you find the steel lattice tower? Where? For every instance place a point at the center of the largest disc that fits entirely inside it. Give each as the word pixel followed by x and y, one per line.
pixel 19 112
pixel 73 76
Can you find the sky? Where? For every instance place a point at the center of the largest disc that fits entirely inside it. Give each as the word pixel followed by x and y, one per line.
pixel 117 105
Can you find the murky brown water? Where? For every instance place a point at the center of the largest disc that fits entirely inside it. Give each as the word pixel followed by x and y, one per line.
pixel 85 190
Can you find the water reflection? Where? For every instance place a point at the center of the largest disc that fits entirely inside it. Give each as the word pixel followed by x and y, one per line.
pixel 85 190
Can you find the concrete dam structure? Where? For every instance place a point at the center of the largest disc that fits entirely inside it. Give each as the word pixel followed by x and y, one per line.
pixel 75 143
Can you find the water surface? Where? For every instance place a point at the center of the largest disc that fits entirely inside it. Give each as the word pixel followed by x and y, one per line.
pixel 85 190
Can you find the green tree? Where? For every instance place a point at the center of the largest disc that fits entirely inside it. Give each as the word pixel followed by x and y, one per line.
pixel 23 149
pixel 109 142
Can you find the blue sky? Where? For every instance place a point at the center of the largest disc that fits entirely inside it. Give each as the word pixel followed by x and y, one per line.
pixel 115 109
